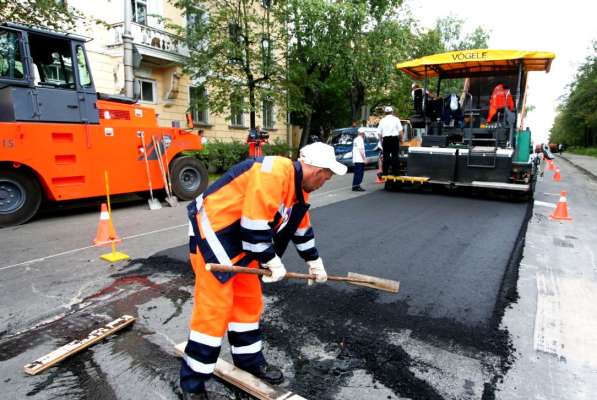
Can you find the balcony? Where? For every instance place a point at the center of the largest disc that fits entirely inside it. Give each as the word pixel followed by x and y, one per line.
pixel 155 45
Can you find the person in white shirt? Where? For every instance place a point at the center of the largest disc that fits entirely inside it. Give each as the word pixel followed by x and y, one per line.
pixel 358 160
pixel 390 132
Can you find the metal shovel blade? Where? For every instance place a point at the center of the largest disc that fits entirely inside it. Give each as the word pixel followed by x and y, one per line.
pixel 172 201
pixel 154 204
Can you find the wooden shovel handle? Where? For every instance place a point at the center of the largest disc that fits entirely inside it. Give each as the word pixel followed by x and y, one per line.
pixel 267 272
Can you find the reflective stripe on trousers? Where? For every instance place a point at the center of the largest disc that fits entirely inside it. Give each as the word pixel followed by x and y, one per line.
pixel 234 306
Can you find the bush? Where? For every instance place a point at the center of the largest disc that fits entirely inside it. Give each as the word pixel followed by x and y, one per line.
pixel 278 148
pixel 219 156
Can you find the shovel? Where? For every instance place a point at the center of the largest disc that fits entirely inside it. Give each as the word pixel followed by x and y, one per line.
pixel 168 177
pixel 154 203
pixel 172 201
pixel 352 278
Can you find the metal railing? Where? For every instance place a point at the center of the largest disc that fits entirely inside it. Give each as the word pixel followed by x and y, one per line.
pixel 149 36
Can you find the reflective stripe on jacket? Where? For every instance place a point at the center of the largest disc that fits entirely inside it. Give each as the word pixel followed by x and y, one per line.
pixel 251 213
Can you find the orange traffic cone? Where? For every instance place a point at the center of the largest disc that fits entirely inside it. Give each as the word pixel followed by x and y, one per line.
pixel 378 177
pixel 556 175
pixel 106 234
pixel 561 212
pixel 550 165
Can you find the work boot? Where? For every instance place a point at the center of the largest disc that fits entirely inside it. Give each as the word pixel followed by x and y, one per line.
pixel 268 373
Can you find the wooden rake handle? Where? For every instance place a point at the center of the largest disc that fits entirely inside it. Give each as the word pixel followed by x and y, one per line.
pixel 289 275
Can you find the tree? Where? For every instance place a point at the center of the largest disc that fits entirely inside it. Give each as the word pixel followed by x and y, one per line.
pixel 334 58
pixel 576 121
pixel 237 50
pixel 53 14
pixel 343 55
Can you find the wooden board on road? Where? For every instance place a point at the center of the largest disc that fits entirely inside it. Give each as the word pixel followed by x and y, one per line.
pixel 75 346
pixel 245 381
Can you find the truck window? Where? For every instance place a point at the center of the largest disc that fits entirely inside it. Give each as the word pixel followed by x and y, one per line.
pixel 82 67
pixel 11 62
pixel 53 61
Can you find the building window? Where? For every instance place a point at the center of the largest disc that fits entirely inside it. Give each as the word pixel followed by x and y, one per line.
pixel 236 52
pixel 268 113
pixel 196 18
pixel 198 106
pixel 148 91
pixel 139 8
pixel 236 110
pixel 266 55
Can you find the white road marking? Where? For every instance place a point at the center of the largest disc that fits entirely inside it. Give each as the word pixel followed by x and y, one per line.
pixel 544 204
pixel 548 325
pixel 36 260
pixel 63 253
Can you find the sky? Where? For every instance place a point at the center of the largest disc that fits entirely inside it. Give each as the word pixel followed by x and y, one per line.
pixel 565 28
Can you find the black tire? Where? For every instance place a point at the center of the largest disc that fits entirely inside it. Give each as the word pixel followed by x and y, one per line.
pixel 20 197
pixel 189 177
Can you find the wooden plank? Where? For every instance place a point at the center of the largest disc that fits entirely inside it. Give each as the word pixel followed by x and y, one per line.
pixel 75 346
pixel 245 381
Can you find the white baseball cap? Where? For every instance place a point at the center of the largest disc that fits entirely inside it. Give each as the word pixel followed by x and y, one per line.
pixel 388 109
pixel 322 155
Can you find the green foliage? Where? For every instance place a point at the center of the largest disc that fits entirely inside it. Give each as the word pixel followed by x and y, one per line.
pixel 50 14
pixel 277 148
pixel 343 54
pixel 576 121
pixel 220 156
pixel 584 151
pixel 235 48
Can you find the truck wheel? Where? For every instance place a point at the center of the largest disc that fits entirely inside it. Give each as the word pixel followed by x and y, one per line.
pixel 189 177
pixel 20 197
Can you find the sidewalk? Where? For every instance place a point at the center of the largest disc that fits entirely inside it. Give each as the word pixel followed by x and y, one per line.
pixel 586 164
pixel 553 324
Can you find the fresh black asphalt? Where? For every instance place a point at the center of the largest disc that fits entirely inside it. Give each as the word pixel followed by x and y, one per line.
pixel 453 256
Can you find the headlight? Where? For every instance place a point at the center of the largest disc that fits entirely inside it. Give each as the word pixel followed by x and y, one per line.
pixel 347 156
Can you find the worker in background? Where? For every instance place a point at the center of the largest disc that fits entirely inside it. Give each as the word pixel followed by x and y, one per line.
pixel 390 130
pixel 247 218
pixel 415 87
pixel 358 160
pixel 501 99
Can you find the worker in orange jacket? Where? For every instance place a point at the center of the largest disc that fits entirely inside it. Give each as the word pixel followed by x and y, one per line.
pixel 500 99
pixel 247 218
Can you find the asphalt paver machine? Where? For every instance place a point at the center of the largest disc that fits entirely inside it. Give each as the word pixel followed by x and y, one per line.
pixel 472 120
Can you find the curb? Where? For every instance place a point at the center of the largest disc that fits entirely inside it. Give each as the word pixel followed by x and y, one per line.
pixel 586 171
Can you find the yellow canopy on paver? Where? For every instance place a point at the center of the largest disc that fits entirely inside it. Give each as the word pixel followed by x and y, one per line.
pixel 470 62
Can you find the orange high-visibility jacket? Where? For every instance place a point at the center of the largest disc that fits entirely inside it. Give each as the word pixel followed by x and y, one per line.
pixel 251 213
pixel 500 98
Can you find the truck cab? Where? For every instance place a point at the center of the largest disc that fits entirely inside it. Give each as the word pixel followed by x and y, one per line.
pixel 45 77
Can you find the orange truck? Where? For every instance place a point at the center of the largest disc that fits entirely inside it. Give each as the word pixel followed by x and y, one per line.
pixel 58 135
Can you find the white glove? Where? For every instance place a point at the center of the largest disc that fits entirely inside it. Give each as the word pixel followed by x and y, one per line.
pixel 278 271
pixel 316 268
